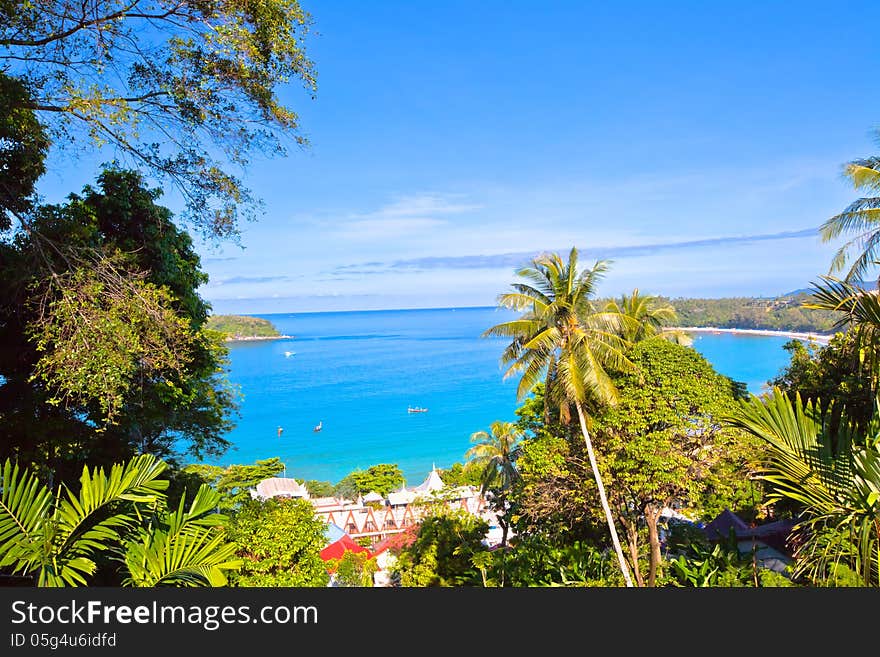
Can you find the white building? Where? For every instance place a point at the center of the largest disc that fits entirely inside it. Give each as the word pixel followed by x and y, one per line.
pixel 279 487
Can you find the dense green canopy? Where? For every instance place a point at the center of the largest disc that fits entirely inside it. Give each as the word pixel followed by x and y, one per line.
pixel 103 350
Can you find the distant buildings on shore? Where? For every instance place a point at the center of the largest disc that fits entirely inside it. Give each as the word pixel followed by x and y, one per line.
pixel 373 521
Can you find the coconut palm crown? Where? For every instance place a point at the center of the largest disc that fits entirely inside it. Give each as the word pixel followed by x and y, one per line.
pixel 561 337
pixel 861 217
pixel 648 317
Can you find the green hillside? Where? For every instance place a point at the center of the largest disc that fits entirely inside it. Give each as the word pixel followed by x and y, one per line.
pixel 785 313
pixel 241 327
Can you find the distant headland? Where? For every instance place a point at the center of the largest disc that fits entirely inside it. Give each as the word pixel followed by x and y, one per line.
pixel 818 338
pixel 240 328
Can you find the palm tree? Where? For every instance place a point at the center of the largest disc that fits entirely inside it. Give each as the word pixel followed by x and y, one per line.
pixel 55 536
pixel 563 339
pixel 862 217
pixel 836 483
pixel 496 451
pixel 647 318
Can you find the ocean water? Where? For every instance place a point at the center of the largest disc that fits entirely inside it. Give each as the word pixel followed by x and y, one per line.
pixel 356 373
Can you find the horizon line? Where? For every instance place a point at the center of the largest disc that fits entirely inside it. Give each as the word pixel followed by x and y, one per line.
pixel 482 307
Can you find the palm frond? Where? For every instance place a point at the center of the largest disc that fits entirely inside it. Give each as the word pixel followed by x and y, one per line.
pixel 589 279
pixel 838 485
pixel 864 173
pixel 804 468
pixel 534 370
pixel 24 502
pixel 855 305
pixel 516 328
pixel 520 301
pixel 190 549
pixel 55 537
pixel 858 217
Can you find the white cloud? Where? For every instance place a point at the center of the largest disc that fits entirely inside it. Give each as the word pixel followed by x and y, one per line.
pixel 406 217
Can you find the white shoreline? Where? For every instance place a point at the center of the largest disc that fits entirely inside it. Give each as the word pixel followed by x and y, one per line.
pixel 815 337
pixel 255 338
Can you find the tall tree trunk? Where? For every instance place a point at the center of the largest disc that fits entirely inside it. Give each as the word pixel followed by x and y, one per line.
pixel 632 539
pixel 504 528
pixel 602 497
pixel 652 515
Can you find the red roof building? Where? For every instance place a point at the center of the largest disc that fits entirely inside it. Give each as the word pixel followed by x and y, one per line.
pixel 337 549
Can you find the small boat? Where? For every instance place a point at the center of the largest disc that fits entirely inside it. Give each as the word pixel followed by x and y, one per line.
pixel 288 354
pixel 319 426
pixel 416 409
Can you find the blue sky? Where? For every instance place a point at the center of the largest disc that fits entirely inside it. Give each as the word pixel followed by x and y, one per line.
pixel 697 145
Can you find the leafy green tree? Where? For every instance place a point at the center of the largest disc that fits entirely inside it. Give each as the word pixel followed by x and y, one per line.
pixel 173 87
pixel 235 482
pixel 664 444
pixel 109 357
pixel 355 569
pixel 835 484
pixel 563 339
pixel 58 537
pixel 319 488
pixel 23 148
pixel 861 218
pixel 345 488
pixel 382 479
pixel 556 494
pixel 280 543
pixel 444 550
pixel 461 474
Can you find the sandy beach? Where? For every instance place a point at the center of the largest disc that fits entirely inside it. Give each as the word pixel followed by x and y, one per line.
pixel 255 338
pixel 815 337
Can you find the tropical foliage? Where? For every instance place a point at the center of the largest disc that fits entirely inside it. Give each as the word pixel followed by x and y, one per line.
pixel 354 569
pixel 279 542
pixel 495 451
pixel 833 377
pixel 183 547
pixel 462 474
pixel 102 358
pixel 445 551
pixel 58 536
pixel 722 565
pixel 554 560
pixel 836 485
pixel 564 340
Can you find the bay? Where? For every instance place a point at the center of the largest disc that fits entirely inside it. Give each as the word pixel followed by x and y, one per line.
pixel 356 373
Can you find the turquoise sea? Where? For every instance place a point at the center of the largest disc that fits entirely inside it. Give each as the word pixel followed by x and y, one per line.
pixel 356 373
